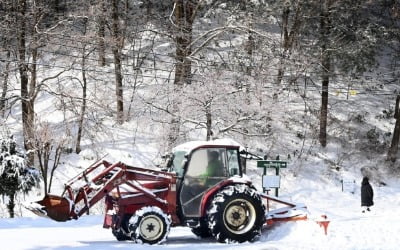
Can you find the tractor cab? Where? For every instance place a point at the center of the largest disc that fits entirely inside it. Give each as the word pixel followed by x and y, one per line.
pixel 201 166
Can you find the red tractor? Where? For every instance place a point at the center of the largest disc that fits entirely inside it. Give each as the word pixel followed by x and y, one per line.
pixel 202 187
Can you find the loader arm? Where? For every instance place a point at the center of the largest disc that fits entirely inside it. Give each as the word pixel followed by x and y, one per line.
pixel 98 181
pixel 91 193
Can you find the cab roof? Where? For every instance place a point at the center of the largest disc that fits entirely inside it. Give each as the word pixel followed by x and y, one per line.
pixel 192 145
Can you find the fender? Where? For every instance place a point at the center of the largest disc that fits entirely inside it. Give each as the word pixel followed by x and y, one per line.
pixel 212 191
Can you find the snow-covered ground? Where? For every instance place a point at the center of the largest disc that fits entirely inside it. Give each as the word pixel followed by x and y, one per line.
pixel 311 177
pixel 348 227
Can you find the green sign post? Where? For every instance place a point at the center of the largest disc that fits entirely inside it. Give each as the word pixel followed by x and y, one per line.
pixel 271 164
pixel 276 164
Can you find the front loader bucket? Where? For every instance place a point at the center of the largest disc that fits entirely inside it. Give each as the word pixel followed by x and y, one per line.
pixel 52 206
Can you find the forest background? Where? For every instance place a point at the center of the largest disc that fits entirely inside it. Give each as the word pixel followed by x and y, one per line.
pixel 305 80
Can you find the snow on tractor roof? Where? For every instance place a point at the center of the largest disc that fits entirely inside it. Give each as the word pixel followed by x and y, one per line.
pixel 191 145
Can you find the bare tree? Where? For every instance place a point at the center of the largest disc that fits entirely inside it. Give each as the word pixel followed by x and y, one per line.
pixel 185 14
pixel 28 19
pixel 49 143
pixel 26 101
pixel 84 85
pixel 290 29
pixel 117 50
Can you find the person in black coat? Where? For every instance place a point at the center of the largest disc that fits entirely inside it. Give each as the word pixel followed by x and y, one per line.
pixel 367 195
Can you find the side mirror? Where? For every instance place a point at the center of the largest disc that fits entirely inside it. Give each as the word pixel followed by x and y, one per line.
pixel 166 161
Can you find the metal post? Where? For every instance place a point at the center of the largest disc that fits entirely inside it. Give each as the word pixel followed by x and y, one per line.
pixel 277 173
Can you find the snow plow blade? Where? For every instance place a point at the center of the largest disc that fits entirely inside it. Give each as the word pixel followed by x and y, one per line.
pixel 52 206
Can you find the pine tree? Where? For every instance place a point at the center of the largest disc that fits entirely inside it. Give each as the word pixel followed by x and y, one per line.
pixel 15 175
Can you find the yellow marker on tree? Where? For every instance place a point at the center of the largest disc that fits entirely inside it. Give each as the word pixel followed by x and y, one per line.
pixel 353 92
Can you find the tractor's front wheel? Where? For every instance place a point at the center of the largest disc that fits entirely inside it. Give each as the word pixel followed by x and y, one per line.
pixel 149 225
pixel 236 214
pixel 121 233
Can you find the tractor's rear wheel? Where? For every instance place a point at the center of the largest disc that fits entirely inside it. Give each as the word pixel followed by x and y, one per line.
pixel 120 235
pixel 202 230
pixel 149 225
pixel 236 214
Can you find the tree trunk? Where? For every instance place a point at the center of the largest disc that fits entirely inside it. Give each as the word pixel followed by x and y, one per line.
pixel 209 122
pixel 58 6
pixel 101 33
pixel 27 107
pixel 117 62
pixel 5 86
pixel 324 111
pixel 11 205
pixel 32 91
pixel 83 106
pixel 57 156
pixel 149 8
pixel 250 46
pixel 288 37
pixel 392 153
pixel 83 109
pixel 84 95
pixel 43 155
pixel 118 86
pixel 285 35
pixel 326 68
pixel 184 11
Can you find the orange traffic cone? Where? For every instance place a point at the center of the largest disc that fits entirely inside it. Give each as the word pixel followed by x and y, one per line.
pixel 324 222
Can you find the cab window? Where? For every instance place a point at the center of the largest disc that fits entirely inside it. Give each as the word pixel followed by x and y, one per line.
pixel 178 163
pixel 207 167
pixel 233 162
